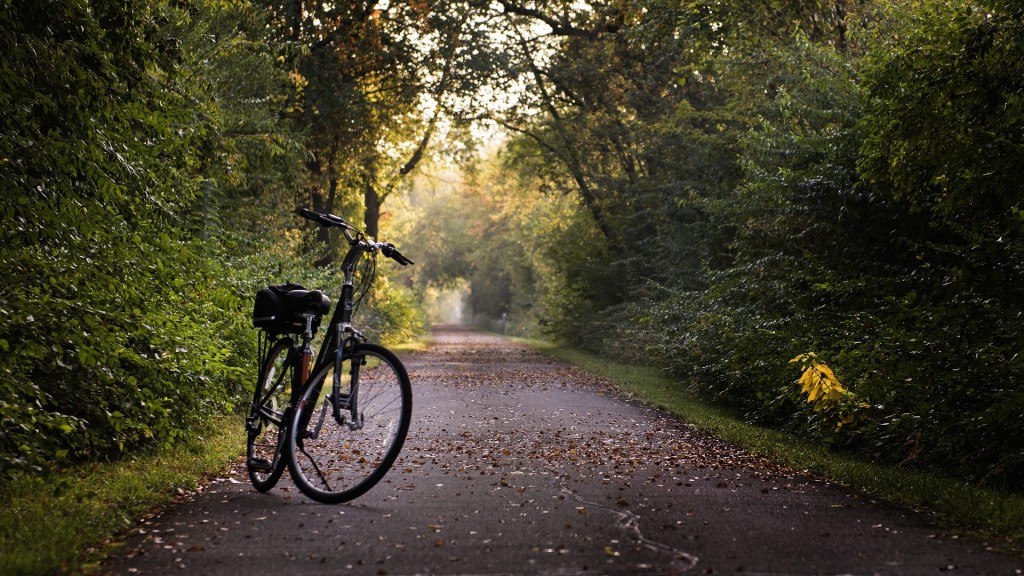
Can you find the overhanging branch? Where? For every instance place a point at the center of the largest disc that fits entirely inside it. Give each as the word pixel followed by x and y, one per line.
pixel 558 27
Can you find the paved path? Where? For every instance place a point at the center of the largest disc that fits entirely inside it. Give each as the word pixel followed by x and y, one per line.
pixel 517 464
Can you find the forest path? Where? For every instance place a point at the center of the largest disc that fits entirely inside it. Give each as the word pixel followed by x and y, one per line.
pixel 519 464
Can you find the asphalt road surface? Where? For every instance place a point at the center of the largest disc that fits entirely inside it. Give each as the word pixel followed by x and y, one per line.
pixel 518 464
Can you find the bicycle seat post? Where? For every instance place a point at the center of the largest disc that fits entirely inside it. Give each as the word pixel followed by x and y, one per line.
pixel 307 348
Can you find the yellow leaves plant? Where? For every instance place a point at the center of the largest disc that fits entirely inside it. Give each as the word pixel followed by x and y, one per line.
pixel 838 407
pixel 818 381
pixel 824 390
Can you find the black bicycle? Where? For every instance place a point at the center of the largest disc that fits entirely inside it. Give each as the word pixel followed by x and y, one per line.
pixel 338 423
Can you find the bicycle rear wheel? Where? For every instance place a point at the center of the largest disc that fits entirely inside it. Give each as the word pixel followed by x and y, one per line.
pixel 264 425
pixel 335 459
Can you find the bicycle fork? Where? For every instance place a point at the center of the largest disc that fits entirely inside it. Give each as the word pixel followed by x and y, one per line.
pixel 339 402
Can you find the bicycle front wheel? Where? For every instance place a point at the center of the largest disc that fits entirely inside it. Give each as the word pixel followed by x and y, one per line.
pixel 342 442
pixel 265 436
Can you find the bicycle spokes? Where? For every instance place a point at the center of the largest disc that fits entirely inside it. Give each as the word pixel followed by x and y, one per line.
pixel 265 437
pixel 352 435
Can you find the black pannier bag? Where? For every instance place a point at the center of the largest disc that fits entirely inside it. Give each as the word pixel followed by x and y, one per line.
pixel 279 309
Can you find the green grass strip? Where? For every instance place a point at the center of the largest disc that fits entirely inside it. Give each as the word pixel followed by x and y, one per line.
pixel 63 524
pixel 991 514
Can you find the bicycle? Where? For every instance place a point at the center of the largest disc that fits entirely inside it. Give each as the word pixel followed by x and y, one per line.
pixel 338 423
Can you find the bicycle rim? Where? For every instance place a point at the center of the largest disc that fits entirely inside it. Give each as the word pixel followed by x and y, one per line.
pixel 264 437
pixel 334 461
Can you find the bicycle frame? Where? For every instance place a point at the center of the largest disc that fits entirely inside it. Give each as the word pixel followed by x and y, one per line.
pixel 341 319
pixel 339 337
pixel 298 355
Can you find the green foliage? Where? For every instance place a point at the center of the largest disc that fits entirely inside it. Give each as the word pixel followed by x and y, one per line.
pixel 394 314
pixel 489 231
pixel 584 283
pixel 124 329
pixel 942 135
pixel 100 181
pixel 943 129
pixel 876 218
pixel 917 321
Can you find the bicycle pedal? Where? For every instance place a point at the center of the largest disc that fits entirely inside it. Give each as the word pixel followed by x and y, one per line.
pixel 260 465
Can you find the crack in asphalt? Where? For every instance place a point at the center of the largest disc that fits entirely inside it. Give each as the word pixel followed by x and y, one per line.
pixel 629 522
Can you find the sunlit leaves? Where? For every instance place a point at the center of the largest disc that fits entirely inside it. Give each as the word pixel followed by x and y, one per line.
pixel 818 382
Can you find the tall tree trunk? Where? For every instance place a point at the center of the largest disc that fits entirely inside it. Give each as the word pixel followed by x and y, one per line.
pixel 841 12
pixel 372 201
pixel 323 201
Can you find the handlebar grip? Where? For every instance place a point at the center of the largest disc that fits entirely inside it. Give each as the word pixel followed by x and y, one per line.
pixel 323 219
pixel 309 214
pixel 390 251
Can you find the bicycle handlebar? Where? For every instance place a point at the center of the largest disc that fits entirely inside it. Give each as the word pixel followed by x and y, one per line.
pixel 331 220
pixel 324 219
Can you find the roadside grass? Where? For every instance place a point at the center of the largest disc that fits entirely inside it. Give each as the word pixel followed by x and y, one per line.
pixel 417 345
pixel 63 524
pixel 994 515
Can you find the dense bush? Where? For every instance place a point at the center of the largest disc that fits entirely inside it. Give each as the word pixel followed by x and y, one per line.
pixel 144 161
pixel 393 313
pixel 942 134
pixel 836 178
pixel 113 314
pixel 880 228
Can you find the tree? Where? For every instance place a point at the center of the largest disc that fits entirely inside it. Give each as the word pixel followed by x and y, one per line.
pixel 632 109
pixel 376 81
pixel 137 135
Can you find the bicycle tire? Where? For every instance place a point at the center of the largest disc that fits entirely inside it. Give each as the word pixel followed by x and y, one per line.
pixel 331 462
pixel 267 415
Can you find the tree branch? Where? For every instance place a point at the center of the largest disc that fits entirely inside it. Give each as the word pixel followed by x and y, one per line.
pixel 442 88
pixel 558 27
